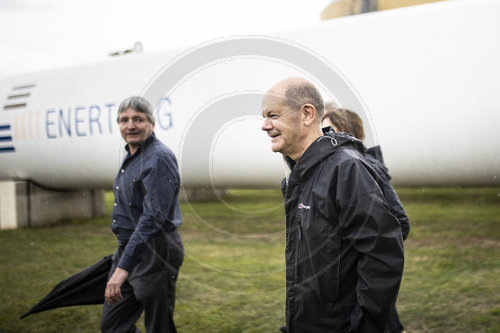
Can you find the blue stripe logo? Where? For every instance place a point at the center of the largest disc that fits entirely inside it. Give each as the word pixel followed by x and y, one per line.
pixel 6 139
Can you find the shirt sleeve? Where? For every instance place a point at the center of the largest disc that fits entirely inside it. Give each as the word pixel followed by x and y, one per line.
pixel 160 187
pixel 374 234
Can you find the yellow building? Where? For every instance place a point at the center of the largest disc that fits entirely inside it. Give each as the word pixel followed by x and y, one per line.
pixel 340 8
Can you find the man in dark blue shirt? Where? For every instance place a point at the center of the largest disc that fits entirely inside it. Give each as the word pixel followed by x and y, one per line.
pixel 146 216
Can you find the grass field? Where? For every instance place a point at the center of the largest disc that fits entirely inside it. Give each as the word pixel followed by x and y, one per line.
pixel 232 279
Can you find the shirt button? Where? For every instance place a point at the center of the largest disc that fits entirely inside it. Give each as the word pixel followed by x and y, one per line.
pixel 122 171
pixel 114 221
pixel 115 204
pixel 118 187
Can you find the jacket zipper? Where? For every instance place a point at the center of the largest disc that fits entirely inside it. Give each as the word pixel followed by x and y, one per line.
pixel 297 258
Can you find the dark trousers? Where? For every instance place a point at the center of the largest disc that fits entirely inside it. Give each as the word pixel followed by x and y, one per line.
pixel 150 287
pixel 395 325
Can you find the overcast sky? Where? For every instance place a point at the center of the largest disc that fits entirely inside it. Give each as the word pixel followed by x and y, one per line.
pixel 42 34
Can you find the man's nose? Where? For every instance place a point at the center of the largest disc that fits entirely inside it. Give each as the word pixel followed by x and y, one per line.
pixel 266 125
pixel 131 123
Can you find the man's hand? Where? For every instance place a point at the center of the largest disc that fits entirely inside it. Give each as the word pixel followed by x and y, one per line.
pixel 113 292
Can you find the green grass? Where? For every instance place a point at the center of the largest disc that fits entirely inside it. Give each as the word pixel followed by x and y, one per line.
pixel 232 279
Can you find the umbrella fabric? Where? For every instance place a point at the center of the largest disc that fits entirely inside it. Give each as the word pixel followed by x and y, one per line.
pixel 84 288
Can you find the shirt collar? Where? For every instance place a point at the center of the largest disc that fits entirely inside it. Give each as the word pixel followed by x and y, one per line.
pixel 151 138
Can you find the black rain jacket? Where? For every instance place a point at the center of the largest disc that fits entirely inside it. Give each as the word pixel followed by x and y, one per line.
pixel 374 156
pixel 344 249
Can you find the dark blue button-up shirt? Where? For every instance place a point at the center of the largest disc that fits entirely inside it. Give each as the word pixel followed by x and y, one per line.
pixel 146 190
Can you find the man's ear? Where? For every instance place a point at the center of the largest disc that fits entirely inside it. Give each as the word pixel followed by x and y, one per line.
pixel 308 114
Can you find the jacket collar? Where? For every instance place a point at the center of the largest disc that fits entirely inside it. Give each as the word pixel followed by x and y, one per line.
pixel 376 153
pixel 322 148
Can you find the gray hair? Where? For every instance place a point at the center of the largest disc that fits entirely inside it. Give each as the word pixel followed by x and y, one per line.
pixel 296 95
pixel 139 104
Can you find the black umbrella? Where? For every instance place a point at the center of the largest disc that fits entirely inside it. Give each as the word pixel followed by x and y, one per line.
pixel 84 288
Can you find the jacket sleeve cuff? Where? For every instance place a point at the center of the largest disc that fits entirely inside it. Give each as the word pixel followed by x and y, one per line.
pixel 127 263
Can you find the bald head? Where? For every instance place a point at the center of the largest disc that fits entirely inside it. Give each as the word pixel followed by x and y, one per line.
pixel 295 92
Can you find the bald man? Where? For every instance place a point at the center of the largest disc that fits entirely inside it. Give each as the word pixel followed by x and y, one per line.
pixel 344 249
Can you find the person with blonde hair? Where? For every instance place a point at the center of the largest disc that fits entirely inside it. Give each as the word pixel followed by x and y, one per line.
pixel 347 121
